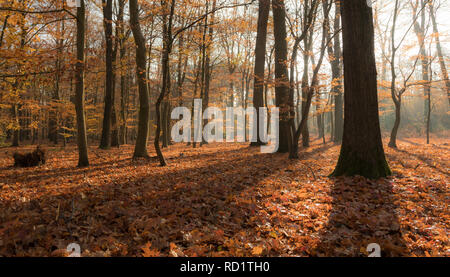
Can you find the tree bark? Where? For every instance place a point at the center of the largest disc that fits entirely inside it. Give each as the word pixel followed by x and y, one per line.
pixel 281 75
pixel 305 88
pixel 15 136
pixel 140 149
pixel 362 150
pixel 419 29
pixel 105 141
pixel 83 159
pixel 439 52
pixel 115 132
pixel 260 61
pixel 396 97
pixel 165 88
pixel 53 114
pixel 394 131
pixel 336 75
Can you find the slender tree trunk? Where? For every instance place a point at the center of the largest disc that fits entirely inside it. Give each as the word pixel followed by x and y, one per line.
pixel 123 76
pixel 105 141
pixel 362 150
pixel 320 123
pixel 165 123
pixel 203 69
pixel 281 75
pixel 79 88
pixel 428 126
pixel 428 118
pixel 206 68
pixel 115 132
pixel 310 90
pixel 260 61
pixel 231 90
pixel 336 74
pixel 53 115
pixel 115 142
pixel 394 131
pixel 396 97
pixel 419 29
pixel 439 52
pixel 15 136
pixel 140 149
pixel 331 117
pixel 305 88
pixel 165 88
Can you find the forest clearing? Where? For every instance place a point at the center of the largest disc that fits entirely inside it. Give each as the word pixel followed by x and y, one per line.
pixel 226 200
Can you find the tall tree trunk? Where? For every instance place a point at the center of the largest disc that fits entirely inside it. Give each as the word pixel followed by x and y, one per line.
pixel 115 135
pixel 165 68
pixel 396 97
pixel 140 149
pixel 428 122
pixel 439 52
pixel 105 140
pixel 428 118
pixel 336 75
pixel 305 87
pixel 281 75
pixel 310 90
pixel 362 150
pixel 182 65
pixel 419 29
pixel 194 96
pixel 260 61
pixel 53 114
pixel 206 68
pixel 83 159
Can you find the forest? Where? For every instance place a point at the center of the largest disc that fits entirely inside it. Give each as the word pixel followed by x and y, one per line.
pixel 224 128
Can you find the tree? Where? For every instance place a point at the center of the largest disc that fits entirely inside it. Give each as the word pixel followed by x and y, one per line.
pixel 105 141
pixel 281 75
pixel 362 150
pixel 260 60
pixel 83 159
pixel 420 29
pixel 335 54
pixel 115 132
pixel 140 149
pixel 396 93
pixel 53 113
pixel 309 18
pixel 439 51
pixel 168 14
pixel 121 38
pixel 308 90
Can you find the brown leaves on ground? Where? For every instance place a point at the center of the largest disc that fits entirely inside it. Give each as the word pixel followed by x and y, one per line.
pixel 225 200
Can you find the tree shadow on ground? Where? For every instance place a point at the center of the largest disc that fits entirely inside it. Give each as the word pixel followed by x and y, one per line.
pixel 429 161
pixel 11 174
pixel 422 145
pixel 362 212
pixel 186 206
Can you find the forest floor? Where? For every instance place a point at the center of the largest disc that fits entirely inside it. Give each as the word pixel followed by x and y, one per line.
pixel 225 200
